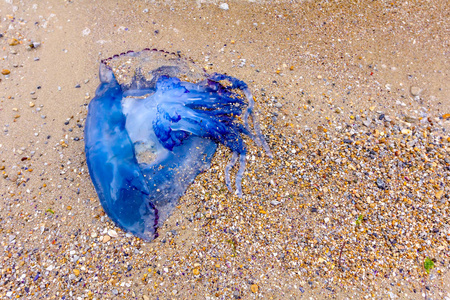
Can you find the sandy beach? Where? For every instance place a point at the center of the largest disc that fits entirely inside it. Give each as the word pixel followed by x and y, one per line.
pixel 353 98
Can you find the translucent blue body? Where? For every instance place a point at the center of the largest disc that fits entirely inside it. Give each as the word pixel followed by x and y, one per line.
pixel 146 142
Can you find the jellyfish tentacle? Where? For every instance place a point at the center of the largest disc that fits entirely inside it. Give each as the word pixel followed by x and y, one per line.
pixel 224 110
pixel 241 85
pixel 211 117
pixel 228 168
pixel 199 124
pixel 216 104
pixel 236 83
pixel 260 136
pixel 239 175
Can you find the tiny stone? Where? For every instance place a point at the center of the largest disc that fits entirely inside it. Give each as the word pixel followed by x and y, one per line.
pixel 415 91
pixel 366 123
pixel 224 6
pixel 112 233
pixel 348 141
pixel 13 42
pixel 406 131
pixel 381 184
pixel 11 238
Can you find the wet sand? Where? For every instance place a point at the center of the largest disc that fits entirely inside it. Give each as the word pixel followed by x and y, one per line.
pixel 353 99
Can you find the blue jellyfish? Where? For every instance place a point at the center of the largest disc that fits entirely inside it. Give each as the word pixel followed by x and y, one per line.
pixel 149 136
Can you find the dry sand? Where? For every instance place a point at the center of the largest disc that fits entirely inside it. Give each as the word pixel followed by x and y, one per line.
pixel 353 98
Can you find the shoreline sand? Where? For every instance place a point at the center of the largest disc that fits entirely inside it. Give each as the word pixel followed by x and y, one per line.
pixel 353 99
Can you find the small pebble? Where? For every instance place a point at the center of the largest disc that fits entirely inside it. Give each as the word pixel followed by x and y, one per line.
pixel 348 141
pixel 112 233
pixel 406 131
pixel 415 91
pixel 381 184
pixel 13 42
pixel 224 6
